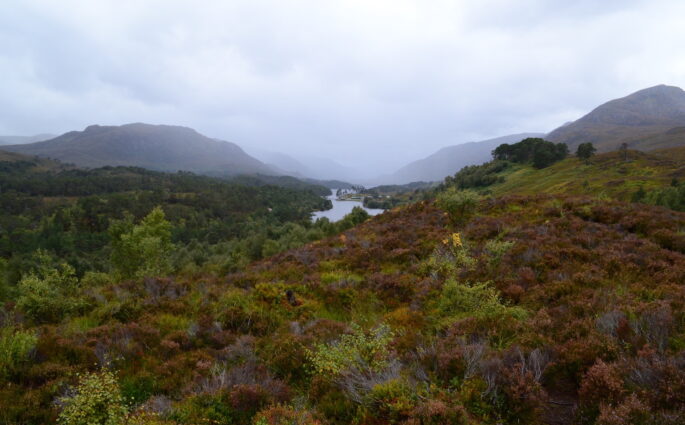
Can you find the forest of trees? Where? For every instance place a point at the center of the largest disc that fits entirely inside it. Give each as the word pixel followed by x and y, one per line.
pixel 76 217
pixel 536 151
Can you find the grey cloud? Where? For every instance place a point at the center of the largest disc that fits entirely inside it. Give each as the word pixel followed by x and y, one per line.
pixel 374 83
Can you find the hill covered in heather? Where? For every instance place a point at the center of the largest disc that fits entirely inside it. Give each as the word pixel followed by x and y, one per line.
pixel 548 309
pixel 536 288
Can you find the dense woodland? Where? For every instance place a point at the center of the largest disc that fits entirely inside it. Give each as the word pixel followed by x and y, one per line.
pixel 136 297
pixel 75 216
pixel 536 151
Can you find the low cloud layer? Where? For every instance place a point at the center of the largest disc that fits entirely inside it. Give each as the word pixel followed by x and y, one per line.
pixel 377 83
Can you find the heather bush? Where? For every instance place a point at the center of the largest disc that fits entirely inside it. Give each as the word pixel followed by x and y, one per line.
pixel 438 412
pixel 246 400
pixel 601 385
pixel 631 411
pixel 658 377
pixel 285 356
pixel 284 415
pixel 522 398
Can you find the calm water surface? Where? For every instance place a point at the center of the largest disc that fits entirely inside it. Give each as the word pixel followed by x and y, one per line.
pixel 342 208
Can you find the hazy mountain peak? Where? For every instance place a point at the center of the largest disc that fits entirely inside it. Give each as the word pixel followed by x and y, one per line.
pixel 649 106
pixel 451 159
pixel 640 119
pixel 158 147
pixel 19 140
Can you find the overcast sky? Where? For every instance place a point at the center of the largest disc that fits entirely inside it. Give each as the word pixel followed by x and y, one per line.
pixel 384 81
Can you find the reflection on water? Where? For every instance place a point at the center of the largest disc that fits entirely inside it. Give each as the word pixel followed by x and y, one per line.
pixel 342 208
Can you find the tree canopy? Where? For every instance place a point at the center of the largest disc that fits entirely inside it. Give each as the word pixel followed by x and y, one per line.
pixel 539 152
pixel 585 151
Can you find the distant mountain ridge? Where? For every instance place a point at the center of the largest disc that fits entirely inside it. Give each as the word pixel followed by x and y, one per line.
pixel 16 140
pixel 647 119
pixel 156 147
pixel 451 159
pixel 307 166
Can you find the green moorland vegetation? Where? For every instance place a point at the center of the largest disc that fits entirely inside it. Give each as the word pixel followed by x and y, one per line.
pixel 549 308
pixel 651 177
pixel 655 178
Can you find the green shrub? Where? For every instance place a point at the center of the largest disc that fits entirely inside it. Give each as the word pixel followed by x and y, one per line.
pixel 204 408
pixel 49 294
pixel 451 258
pixel 94 279
pixel 357 216
pixel 671 197
pixel 460 205
pixel 167 323
pixel 496 250
pixel 271 247
pixel 15 348
pixel 368 350
pixel 478 176
pixel 97 401
pixel 479 300
pixel 144 249
pixel 242 311
pixel 234 309
pixel 137 389
pixel 392 400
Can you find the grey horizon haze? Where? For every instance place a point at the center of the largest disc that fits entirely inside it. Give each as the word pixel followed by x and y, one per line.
pixel 372 83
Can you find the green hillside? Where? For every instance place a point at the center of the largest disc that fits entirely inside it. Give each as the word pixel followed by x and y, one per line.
pixel 603 175
pixel 138 297
pixel 615 175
